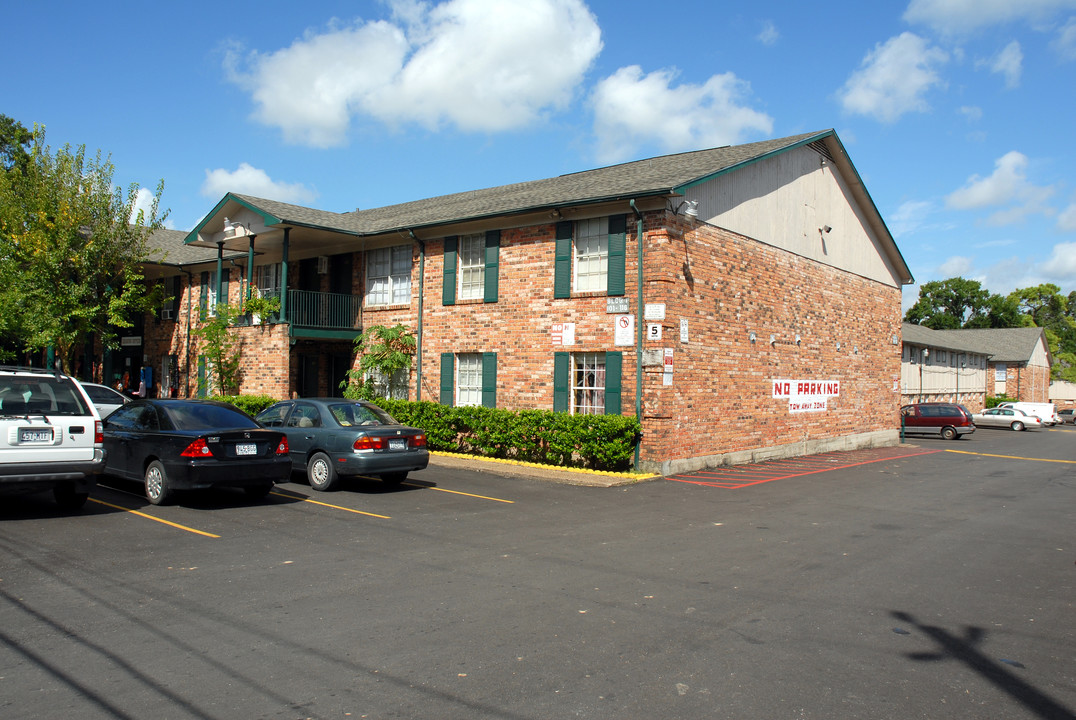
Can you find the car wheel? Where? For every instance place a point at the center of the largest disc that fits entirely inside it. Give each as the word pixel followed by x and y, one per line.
pixel 67 498
pixel 157 490
pixel 1017 426
pixel 320 472
pixel 394 478
pixel 257 492
pixel 948 433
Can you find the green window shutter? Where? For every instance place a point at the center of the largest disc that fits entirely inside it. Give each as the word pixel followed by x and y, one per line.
pixel 561 375
pixel 448 291
pixel 562 276
pixel 448 369
pixel 201 388
pixel 614 363
pixel 203 296
pixel 489 380
pixel 492 265
pixel 177 290
pixel 618 225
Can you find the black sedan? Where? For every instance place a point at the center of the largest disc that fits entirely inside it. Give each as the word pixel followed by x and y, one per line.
pixel 188 444
pixel 334 437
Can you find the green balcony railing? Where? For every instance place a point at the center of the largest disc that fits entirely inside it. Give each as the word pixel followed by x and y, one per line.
pixel 325 311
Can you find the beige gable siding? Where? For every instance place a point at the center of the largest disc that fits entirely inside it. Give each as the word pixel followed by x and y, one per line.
pixel 785 201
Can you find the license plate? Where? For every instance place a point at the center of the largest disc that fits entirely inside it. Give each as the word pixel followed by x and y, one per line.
pixel 246 449
pixel 35 435
pixel 397 444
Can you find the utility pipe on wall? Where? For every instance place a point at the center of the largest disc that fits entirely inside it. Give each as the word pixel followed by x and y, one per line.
pixel 418 332
pixel 638 327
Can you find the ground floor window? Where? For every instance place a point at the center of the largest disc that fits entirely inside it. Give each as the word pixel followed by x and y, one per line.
pixel 587 383
pixel 469 379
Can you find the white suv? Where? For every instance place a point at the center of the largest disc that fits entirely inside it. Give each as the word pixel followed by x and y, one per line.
pixel 50 435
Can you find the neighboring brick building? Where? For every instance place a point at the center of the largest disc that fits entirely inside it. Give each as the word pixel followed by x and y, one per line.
pixel 769 323
pixel 968 365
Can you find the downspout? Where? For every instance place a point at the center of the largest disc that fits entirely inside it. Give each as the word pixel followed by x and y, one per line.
pixel 421 295
pixel 284 279
pixel 190 289
pixel 638 328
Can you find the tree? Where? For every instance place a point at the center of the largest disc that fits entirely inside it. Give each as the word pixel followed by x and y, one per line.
pixel 221 347
pixel 15 142
pixel 948 304
pixel 383 351
pixel 71 250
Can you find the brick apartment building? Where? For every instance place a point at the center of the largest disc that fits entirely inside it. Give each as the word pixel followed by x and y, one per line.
pixel 758 317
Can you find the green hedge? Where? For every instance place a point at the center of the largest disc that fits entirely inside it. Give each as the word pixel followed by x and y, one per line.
pixel 598 442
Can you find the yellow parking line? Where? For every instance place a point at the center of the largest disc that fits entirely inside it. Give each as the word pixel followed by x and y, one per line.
pixel 1013 457
pixel 457 492
pixel 335 507
pixel 156 519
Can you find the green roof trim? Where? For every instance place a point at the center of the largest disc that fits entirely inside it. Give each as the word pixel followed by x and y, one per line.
pixel 267 219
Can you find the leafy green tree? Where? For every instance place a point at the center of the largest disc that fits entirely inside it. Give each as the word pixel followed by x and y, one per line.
pixel 948 304
pixel 15 142
pixel 381 350
pixel 222 348
pixel 71 250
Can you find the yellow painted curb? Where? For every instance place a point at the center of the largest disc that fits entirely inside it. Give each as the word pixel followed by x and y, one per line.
pixel 539 466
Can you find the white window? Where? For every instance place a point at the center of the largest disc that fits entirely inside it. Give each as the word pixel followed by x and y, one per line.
pixel 267 280
pixel 588 383
pixel 472 266
pixel 468 379
pixel 388 276
pixel 591 255
pixel 211 294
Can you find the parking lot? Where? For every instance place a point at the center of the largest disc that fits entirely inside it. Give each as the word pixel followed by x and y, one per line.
pixel 937 579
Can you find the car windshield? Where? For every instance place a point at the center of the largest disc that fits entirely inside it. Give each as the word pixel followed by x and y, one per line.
pixel 198 416
pixel 40 396
pixel 351 414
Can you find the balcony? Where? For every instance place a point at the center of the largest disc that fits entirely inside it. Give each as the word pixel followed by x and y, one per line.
pixel 320 315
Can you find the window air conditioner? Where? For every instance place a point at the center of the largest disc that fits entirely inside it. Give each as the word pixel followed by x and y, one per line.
pixel 323 264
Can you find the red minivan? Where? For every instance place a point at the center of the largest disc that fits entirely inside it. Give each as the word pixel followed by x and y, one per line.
pixel 949 420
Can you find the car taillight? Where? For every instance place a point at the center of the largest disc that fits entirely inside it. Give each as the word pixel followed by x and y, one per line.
pixel 282 446
pixel 197 449
pixel 98 432
pixel 418 441
pixel 367 442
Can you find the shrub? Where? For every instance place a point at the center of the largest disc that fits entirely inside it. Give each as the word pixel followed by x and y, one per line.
pixel 250 404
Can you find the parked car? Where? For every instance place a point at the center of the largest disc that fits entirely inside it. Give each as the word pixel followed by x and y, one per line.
pixel 1068 415
pixel 104 398
pixel 333 437
pixel 175 445
pixel 1006 418
pixel 949 420
pixel 50 436
pixel 1047 412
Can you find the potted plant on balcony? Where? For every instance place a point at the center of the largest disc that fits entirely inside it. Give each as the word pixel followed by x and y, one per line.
pixel 261 309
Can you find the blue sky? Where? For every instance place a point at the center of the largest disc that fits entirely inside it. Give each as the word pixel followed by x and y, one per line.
pixel 958 114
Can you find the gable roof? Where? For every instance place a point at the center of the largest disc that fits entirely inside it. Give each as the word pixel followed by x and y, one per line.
pixel 1015 345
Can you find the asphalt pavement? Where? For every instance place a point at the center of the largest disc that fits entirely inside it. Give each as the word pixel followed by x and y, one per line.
pixel 934 582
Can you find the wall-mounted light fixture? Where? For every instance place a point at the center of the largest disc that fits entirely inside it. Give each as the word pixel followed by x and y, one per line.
pixel 692 209
pixel 838 345
pixel 555 214
pixel 797 338
pixel 827 229
pixel 230 228
pixel 773 340
pixel 751 336
pixel 855 349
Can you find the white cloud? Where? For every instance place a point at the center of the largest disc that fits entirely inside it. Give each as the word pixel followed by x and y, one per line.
pixel 973 113
pixel 1066 221
pixel 480 65
pixel 909 217
pixel 1065 42
pixel 249 180
pixel 769 34
pixel 1007 188
pixel 631 108
pixel 893 78
pixel 143 204
pixel 1061 265
pixel 1009 64
pixel 956 267
pixel 963 16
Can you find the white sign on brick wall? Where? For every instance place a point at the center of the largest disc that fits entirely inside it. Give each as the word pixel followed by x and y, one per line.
pixel 806 395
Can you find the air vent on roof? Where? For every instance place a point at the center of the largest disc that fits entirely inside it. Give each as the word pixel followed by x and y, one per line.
pixel 820 147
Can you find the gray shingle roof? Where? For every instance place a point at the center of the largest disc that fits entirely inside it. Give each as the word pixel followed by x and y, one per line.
pixel 166 248
pixel 1001 344
pixel 654 176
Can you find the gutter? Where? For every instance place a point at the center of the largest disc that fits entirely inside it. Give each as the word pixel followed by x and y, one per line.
pixel 421 296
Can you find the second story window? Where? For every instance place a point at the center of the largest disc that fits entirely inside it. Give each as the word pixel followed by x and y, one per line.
pixel 589 256
pixel 388 276
pixel 267 280
pixel 591 251
pixel 472 265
